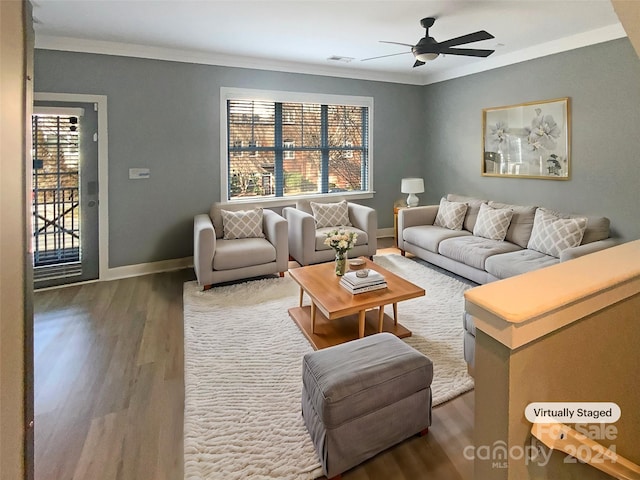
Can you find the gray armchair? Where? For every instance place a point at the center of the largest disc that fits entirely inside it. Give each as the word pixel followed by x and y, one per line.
pixel 306 242
pixel 216 260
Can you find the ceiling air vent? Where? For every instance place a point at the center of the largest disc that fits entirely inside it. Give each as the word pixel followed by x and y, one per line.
pixel 338 58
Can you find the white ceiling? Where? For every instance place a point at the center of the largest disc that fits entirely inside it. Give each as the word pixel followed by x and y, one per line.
pixel 300 35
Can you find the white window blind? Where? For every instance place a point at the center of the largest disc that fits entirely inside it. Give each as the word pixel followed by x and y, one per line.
pixel 280 148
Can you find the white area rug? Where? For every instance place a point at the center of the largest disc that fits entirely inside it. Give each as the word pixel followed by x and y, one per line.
pixel 243 370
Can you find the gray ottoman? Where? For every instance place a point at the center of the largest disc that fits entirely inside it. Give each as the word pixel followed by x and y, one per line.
pixel 364 396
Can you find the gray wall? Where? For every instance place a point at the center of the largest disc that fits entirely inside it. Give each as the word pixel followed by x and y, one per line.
pixel 166 116
pixel 603 83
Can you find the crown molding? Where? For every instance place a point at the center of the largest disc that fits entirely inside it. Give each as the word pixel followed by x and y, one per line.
pixel 585 39
pixel 70 44
pixel 49 42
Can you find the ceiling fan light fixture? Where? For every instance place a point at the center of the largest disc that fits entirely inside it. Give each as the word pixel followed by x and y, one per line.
pixel 428 49
pixel 427 57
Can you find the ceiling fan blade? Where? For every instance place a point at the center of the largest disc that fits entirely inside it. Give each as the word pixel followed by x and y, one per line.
pixel 469 52
pixel 396 43
pixel 383 56
pixel 418 63
pixel 469 38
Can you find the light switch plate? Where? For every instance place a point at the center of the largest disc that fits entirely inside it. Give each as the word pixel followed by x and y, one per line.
pixel 139 173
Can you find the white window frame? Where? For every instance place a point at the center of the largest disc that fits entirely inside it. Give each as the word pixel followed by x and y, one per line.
pixel 348 153
pixel 288 154
pixel 232 93
pixel 255 144
pixel 238 144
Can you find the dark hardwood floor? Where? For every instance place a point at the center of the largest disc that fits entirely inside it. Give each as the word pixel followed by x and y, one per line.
pixel 109 390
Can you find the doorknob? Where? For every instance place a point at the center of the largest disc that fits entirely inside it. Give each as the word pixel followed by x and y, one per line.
pixel 92 203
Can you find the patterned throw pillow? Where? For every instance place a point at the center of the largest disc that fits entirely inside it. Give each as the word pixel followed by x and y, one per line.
pixel 450 214
pixel 331 214
pixel 473 207
pixel 242 224
pixel 492 223
pixel 552 234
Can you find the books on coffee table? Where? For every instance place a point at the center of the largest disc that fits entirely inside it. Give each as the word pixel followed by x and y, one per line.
pixel 369 288
pixel 354 284
pixel 353 279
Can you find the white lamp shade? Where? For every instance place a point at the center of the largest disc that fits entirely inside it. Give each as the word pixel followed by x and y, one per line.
pixel 412 186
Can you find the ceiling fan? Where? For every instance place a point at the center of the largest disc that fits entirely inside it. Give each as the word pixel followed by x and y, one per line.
pixel 428 49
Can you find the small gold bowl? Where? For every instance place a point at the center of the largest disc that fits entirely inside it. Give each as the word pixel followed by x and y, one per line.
pixel 356 264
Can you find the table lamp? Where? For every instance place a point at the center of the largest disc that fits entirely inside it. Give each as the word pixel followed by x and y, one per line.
pixel 412 186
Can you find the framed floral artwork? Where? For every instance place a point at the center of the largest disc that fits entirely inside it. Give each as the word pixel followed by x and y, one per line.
pixel 529 140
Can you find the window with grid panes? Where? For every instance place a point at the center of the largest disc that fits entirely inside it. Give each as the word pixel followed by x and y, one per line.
pixel 292 148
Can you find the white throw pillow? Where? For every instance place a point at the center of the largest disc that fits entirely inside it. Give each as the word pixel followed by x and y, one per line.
pixel 552 234
pixel 492 223
pixel 331 214
pixel 450 214
pixel 242 224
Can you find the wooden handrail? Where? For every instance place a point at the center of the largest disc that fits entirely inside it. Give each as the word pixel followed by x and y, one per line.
pixel 558 436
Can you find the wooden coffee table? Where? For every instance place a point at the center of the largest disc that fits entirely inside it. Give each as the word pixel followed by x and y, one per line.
pixel 333 314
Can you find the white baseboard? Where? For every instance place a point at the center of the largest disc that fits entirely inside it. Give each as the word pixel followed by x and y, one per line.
pixel 146 268
pixel 385 232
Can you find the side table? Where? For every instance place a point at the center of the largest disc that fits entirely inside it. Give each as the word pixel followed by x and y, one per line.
pixel 395 225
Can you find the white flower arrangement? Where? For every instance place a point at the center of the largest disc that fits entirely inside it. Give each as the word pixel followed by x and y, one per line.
pixel 341 240
pixel 543 133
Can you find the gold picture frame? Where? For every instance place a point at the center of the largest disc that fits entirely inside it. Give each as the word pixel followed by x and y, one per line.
pixel 528 140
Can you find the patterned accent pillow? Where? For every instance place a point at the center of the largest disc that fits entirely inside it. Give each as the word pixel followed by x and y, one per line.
pixel 492 223
pixel 521 223
pixel 242 224
pixel 331 214
pixel 473 208
pixel 450 214
pixel 552 234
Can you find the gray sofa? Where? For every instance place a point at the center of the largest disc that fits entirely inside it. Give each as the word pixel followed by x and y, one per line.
pixel 484 260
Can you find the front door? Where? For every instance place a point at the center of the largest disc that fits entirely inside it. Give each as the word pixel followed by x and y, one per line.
pixel 65 193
